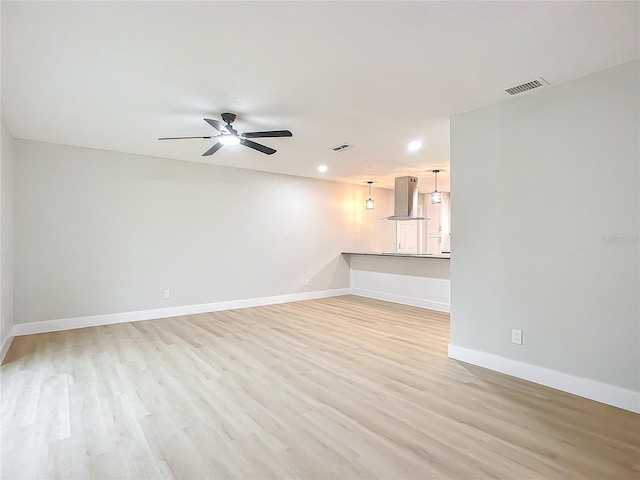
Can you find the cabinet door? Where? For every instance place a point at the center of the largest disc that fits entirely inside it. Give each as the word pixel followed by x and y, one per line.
pixel 407 235
pixel 434 216
pixel 445 223
pixel 434 228
pixel 433 245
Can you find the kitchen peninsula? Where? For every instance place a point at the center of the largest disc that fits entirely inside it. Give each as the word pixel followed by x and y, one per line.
pixel 421 280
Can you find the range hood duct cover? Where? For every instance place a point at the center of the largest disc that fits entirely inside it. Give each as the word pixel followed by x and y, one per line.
pixel 406 200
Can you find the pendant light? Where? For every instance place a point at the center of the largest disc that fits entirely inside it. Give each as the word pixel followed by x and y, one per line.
pixel 369 203
pixel 436 196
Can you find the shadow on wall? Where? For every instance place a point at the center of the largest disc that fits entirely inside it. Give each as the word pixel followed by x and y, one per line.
pixel 437 268
pixel 335 273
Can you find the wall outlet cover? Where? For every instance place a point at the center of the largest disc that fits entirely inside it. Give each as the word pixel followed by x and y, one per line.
pixel 516 336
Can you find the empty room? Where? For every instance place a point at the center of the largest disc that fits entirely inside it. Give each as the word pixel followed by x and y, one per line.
pixel 320 240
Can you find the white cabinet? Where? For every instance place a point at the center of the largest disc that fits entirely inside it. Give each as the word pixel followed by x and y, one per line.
pixel 410 235
pixel 445 222
pixel 407 235
pixel 438 235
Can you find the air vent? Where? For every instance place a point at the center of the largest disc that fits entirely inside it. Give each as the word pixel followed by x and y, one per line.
pixel 541 82
pixel 342 148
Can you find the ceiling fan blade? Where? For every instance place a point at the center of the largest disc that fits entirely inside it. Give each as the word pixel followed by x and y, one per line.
pixel 212 150
pixel 179 138
pixel 214 123
pixel 272 133
pixel 257 146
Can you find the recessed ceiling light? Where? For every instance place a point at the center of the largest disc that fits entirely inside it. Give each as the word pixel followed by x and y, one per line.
pixel 415 145
pixel 322 168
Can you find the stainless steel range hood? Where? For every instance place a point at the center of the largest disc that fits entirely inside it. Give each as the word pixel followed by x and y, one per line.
pixel 406 200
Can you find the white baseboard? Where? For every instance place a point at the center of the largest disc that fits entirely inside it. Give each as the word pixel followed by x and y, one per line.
pixel 113 318
pixel 5 346
pixel 583 387
pixel 414 302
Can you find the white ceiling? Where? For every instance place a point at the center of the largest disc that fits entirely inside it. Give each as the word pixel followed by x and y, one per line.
pixel 117 75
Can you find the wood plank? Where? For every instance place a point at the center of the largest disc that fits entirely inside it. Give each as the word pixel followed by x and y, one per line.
pixel 343 387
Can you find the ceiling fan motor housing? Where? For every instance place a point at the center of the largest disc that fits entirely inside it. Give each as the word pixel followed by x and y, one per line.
pixel 228 118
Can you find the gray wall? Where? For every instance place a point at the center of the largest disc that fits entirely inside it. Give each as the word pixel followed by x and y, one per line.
pixel 6 232
pixel 546 227
pixel 101 232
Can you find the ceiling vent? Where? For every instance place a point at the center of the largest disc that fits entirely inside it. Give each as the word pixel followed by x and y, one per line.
pixel 540 82
pixel 342 148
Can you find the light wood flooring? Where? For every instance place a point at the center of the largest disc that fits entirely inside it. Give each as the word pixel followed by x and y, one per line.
pixel 343 387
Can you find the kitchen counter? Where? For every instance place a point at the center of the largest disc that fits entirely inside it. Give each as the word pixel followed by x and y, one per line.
pixel 420 280
pixel 408 255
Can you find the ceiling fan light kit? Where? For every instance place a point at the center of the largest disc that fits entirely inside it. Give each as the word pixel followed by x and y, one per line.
pixel 229 140
pixel 227 135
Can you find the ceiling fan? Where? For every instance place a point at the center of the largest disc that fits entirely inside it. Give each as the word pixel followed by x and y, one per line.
pixel 227 135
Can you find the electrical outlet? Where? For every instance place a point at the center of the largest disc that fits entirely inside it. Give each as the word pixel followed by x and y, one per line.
pixel 306 282
pixel 166 294
pixel 516 336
